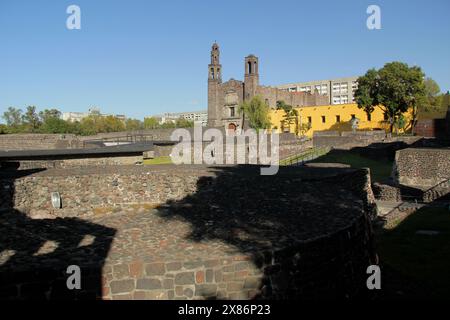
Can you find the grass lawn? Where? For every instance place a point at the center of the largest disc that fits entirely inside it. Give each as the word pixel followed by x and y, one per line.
pixel 158 160
pixel 380 169
pixel 423 259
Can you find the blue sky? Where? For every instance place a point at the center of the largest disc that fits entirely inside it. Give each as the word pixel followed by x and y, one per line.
pixel 141 58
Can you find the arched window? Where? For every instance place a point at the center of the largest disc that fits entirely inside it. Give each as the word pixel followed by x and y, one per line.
pixel 250 67
pixel 212 73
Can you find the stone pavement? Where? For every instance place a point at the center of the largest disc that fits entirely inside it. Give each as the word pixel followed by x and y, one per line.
pixel 280 237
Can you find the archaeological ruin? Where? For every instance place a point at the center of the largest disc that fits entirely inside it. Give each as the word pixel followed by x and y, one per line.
pixel 197 231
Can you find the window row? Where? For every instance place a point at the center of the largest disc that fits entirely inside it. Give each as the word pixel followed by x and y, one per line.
pixel 338 118
pixel 340 99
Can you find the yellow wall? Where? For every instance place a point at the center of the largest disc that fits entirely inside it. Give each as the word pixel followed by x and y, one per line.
pixel 330 112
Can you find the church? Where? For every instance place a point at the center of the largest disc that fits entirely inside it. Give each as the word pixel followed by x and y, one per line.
pixel 224 98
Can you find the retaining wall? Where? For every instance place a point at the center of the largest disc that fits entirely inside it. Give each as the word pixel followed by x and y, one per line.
pixel 422 166
pixel 214 232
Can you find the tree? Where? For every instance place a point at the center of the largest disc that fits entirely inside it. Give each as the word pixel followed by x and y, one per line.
pixel 49 113
pixel 257 113
pixel 55 125
pixel 432 101
pixel 400 122
pixel 395 88
pixel 366 96
pixel 184 123
pixel 112 124
pixel 133 124
pixel 91 125
pixel 31 119
pixel 151 123
pixel 13 117
pixel 290 115
pixel 168 125
pixel 4 129
pixel 304 128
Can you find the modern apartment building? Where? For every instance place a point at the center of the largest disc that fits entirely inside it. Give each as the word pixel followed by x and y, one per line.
pixel 78 116
pixel 195 116
pixel 340 91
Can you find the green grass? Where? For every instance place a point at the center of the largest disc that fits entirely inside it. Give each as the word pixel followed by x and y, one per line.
pixel 422 258
pixel 304 156
pixel 158 160
pixel 380 169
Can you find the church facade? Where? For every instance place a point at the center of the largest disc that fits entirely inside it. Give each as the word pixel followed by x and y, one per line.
pixel 224 98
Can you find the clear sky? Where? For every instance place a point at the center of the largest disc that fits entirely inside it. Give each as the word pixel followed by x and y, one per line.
pixel 140 58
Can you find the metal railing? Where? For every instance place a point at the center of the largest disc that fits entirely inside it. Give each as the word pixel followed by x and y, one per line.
pixel 304 157
pixel 129 138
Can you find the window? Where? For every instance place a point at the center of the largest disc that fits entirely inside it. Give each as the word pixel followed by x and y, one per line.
pixel 337 100
pixel 338 118
pixel 309 120
pixel 353 116
pixel 369 117
pixel 344 99
pixel 323 119
pixel 232 112
pixel 336 88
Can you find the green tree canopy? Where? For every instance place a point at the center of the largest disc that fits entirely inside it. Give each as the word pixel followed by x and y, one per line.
pixel 31 119
pixel 290 115
pixel 256 112
pixel 49 113
pixel 395 88
pixel 13 117
pixel 55 125
pixel 151 123
pixel 184 123
pixel 133 124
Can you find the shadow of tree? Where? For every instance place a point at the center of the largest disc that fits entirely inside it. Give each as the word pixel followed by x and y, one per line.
pixel 414 265
pixel 35 254
pixel 306 229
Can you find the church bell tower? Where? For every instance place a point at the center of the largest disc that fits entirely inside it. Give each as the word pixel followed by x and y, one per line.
pixel 214 81
pixel 251 79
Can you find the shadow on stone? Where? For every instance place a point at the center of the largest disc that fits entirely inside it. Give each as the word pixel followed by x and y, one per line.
pixel 304 233
pixel 35 254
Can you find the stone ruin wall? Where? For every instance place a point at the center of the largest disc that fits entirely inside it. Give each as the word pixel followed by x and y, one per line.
pixel 288 147
pixel 422 166
pixel 70 141
pixel 115 160
pixel 419 174
pixel 37 141
pixel 332 265
pixel 346 140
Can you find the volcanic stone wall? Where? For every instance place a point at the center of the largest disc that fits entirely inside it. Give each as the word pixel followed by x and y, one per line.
pixel 422 166
pixel 214 232
pixel 90 190
pixel 37 141
pixel 346 139
pixel 89 160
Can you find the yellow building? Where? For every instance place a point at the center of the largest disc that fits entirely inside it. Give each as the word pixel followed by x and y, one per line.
pixel 331 117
